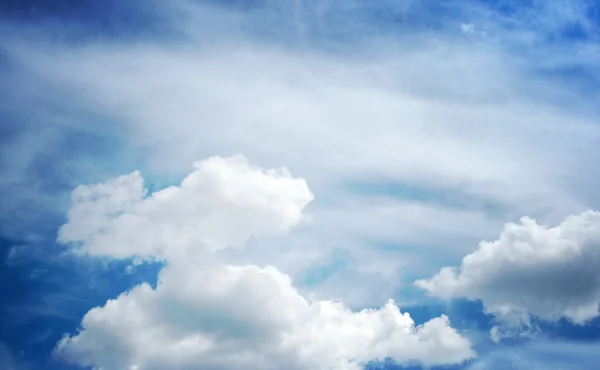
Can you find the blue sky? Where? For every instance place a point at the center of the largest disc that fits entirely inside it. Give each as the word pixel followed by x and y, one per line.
pixel 442 154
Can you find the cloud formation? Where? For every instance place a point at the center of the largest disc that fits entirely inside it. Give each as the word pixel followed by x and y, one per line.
pixel 206 314
pixel 465 131
pixel 531 269
pixel 221 204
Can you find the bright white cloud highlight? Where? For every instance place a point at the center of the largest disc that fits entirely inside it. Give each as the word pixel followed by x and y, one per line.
pixel 532 269
pixel 205 314
pixel 246 317
pixel 221 204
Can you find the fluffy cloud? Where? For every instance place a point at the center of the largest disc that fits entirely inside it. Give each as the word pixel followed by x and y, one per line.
pixel 549 272
pixel 246 317
pixel 205 314
pixel 221 204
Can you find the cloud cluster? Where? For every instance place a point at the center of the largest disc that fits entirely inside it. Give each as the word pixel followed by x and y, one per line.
pixel 447 133
pixel 532 269
pixel 420 127
pixel 221 204
pixel 206 314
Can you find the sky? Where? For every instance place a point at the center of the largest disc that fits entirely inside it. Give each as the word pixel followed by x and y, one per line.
pixel 304 185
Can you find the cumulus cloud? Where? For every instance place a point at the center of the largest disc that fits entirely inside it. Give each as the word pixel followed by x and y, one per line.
pixel 464 127
pixel 206 314
pixel 221 204
pixel 232 317
pixel 532 269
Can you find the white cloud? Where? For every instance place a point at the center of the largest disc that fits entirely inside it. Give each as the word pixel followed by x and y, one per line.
pixel 205 314
pixel 532 269
pixel 433 112
pixel 430 111
pixel 221 204
pixel 440 113
pixel 213 316
pixel 427 117
pixel 356 125
pixel 382 239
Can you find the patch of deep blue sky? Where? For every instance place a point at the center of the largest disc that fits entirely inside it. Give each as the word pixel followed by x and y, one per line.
pixel 44 294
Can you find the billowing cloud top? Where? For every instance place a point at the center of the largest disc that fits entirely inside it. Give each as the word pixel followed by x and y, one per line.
pixel 205 314
pixel 221 204
pixel 549 272
pixel 421 126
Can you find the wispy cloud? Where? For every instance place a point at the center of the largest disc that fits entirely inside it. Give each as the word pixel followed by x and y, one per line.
pixel 421 126
pixel 430 109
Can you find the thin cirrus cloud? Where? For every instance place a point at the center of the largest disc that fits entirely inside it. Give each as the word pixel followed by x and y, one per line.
pixel 433 110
